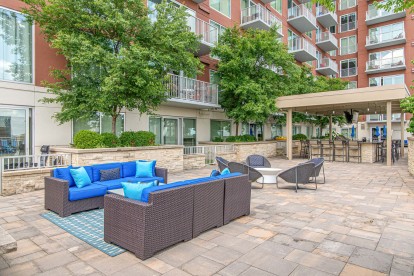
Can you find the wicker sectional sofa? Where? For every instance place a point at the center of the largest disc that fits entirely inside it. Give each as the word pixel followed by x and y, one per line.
pixel 175 212
pixel 64 198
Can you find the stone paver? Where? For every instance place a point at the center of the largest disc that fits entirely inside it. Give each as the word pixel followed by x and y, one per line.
pixel 361 222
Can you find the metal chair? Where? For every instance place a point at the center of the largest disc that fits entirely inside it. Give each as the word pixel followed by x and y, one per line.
pixel 257 161
pixel 222 163
pixel 253 174
pixel 318 166
pixel 315 148
pixel 44 150
pixel 300 174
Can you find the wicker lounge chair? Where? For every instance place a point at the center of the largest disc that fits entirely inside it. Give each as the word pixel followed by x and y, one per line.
pixel 257 161
pixel 222 163
pixel 245 169
pixel 299 174
pixel 318 167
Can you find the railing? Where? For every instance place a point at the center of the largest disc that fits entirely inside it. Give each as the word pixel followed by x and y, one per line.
pixel 258 12
pixel 302 10
pixel 349 72
pixel 348 26
pixel 299 43
pixel 326 36
pixel 210 152
pixel 385 63
pixel 208 32
pixel 375 13
pixel 380 37
pixel 26 162
pixel 322 10
pixel 192 90
pixel 327 63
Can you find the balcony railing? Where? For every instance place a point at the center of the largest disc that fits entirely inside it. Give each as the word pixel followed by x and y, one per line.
pixel 302 18
pixel 387 64
pixel 385 37
pixel 327 66
pixel 326 17
pixel 259 13
pixel 302 49
pixel 28 162
pixel 192 90
pixel 327 37
pixel 349 72
pixel 348 26
pixel 208 32
pixel 375 13
pixel 375 16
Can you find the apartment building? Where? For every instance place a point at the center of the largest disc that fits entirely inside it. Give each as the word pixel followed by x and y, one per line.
pixel 357 43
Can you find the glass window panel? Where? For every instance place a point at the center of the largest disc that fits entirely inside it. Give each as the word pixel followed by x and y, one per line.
pixel 220 129
pixel 13 131
pixel 155 127
pixel 222 6
pixel 16 47
pixel 189 132
pixel 107 124
pixel 92 124
pixel 277 5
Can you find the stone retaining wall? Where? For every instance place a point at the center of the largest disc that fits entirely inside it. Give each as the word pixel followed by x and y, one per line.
pixel 170 157
pixel 194 161
pixel 411 155
pixel 17 182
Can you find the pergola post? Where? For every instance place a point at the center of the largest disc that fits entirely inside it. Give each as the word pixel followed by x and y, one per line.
pixel 330 128
pixel 289 141
pixel 389 134
pixel 402 134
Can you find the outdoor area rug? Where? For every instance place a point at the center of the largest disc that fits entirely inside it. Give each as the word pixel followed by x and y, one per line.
pixel 87 226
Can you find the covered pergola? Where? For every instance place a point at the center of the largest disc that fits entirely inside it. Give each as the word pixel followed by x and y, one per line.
pixel 369 100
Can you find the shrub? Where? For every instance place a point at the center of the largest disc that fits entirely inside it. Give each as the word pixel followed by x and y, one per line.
pixel 241 138
pixel 110 140
pixel 137 139
pixel 218 139
pixel 299 136
pixel 86 139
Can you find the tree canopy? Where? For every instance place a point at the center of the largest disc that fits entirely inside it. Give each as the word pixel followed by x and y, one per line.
pixel 117 58
pixel 389 5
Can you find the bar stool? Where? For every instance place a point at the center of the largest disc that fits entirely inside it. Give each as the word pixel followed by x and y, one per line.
pixel 315 149
pixel 327 149
pixel 354 150
pixel 340 150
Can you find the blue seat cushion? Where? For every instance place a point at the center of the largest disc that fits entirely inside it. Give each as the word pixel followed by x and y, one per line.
pixel 96 170
pixel 89 191
pixel 111 184
pixel 129 169
pixel 143 179
pixel 227 175
pixel 64 174
pixel 146 192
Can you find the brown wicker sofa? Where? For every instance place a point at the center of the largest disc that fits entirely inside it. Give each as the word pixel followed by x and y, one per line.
pixel 175 214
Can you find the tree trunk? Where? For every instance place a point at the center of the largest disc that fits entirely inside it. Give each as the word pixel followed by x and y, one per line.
pixel 114 124
pixel 237 128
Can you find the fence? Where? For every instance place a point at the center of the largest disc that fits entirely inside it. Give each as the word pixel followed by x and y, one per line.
pixel 25 162
pixel 210 152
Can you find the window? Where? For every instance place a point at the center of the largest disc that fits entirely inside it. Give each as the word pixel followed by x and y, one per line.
pixel 16 55
pixel 220 28
pixel 214 79
pixel 297 130
pixel 332 53
pixel 189 132
pixel 222 6
pixel 277 5
pixel 276 130
pixel 348 45
pixel 332 29
pixel 346 4
pixel 348 22
pixel 219 129
pixel 386 59
pixel 99 123
pixel 387 80
pixel 348 67
pixel 294 42
pixel 386 33
pixel 246 3
pixel 352 85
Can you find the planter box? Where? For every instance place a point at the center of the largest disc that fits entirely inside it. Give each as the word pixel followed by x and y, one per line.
pixel 411 155
pixel 170 157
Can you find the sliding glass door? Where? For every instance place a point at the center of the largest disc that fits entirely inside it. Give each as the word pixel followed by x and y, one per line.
pixel 173 131
pixel 170 133
pixel 15 131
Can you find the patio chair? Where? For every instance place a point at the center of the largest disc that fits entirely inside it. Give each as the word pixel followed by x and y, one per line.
pixel 253 174
pixel 257 161
pixel 300 174
pixel 318 166
pixel 222 163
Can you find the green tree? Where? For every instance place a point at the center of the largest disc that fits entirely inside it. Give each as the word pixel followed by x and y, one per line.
pixel 254 69
pixel 117 58
pixel 396 5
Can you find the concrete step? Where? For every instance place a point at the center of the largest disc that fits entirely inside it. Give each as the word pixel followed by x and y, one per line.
pixel 7 242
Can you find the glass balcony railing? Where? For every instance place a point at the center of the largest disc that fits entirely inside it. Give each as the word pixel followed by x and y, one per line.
pixel 327 63
pixel 192 90
pixel 302 10
pixel 383 37
pixel 373 13
pixel 258 12
pixel 386 63
pixel 326 36
pixel 208 32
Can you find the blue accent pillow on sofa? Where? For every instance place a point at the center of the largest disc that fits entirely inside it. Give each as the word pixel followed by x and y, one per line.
pixel 134 190
pixel 81 177
pixel 225 171
pixel 214 173
pixel 64 174
pixel 129 169
pixel 145 168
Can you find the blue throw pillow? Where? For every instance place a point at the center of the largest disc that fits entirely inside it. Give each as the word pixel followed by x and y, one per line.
pixel 145 168
pixel 225 171
pixel 81 177
pixel 134 190
pixel 215 173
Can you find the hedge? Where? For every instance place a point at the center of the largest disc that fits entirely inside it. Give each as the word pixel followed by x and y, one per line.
pixel 110 140
pixel 86 139
pixel 299 136
pixel 137 139
pixel 241 138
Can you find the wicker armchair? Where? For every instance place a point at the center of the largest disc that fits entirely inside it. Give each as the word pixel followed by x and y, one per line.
pixel 245 169
pixel 299 174
pixel 318 162
pixel 257 161
pixel 222 163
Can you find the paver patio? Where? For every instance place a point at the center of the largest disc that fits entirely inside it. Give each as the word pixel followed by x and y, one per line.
pixel 361 222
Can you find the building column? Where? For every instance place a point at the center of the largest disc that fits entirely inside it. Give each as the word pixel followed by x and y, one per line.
pixel 289 132
pixel 402 134
pixel 389 134
pixel 330 128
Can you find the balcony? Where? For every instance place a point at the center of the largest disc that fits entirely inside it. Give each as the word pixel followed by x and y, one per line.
pixel 326 17
pixel 348 72
pixel 327 67
pixel 379 40
pixel 198 1
pixel 375 16
pixel 207 32
pixel 302 19
pixel 327 41
pixel 258 17
pixel 385 65
pixel 187 92
pixel 302 49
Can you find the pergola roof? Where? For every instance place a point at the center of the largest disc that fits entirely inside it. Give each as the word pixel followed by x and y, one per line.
pixel 363 100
